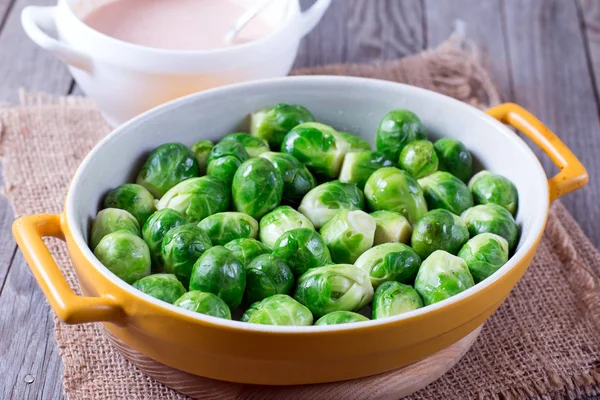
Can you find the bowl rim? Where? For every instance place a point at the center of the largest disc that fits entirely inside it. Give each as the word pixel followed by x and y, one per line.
pixel 536 228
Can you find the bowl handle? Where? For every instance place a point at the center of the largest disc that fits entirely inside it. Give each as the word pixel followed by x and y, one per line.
pixel 69 307
pixel 572 175
pixel 37 21
pixel 311 17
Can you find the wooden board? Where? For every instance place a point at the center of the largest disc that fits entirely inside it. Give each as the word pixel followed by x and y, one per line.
pixel 390 385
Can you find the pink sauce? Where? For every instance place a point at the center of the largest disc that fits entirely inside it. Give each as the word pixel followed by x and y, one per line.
pixel 174 24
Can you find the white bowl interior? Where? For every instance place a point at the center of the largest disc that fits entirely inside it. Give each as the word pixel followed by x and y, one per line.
pixel 352 104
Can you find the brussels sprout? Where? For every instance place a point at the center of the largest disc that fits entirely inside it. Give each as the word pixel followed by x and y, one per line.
pixel 391 226
pixel 348 234
pixel 279 221
pixel 297 179
pixel 338 287
pixel 111 220
pixel 125 255
pixel 454 157
pixel 266 276
pixel 224 168
pixel 390 262
pixel 393 298
pixel 202 150
pixel 318 146
pixel 444 190
pixel 224 227
pixel 356 142
pixel 392 189
pixel 166 166
pixel 254 146
pixel 164 287
pixel 279 309
pixel 218 271
pixel 197 198
pixel 418 158
pixel 341 317
pixel 204 303
pixel 484 255
pixel 323 202
pixel 155 229
pixel 439 230
pixel 302 249
pixel 360 165
pixel 228 148
pixel 272 124
pixel 492 218
pixel 247 249
pixel 181 247
pixel 257 187
pixel 396 129
pixel 133 198
pixel 441 276
pixel 488 187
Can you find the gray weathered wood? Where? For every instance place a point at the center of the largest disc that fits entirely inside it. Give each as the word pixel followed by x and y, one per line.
pixel 590 13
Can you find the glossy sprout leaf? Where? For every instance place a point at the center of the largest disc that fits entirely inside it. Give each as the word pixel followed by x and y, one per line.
pixel 279 309
pixel 442 276
pixel 390 262
pixel 180 249
pixel 340 317
pixel 439 230
pixel 224 227
pixel 266 276
pixel 348 234
pixel 111 220
pixel 418 158
pixel 155 229
pixel 323 202
pixel 257 187
pixel 302 249
pixel 272 124
pixel 204 303
pixel 126 255
pixel 492 218
pixel 454 157
pixel 444 190
pixel 394 298
pixel 202 150
pixel 279 221
pixel 135 199
pixel 297 179
pixel 484 254
pixel 164 287
pixel 359 166
pixel 396 129
pixel 254 145
pixel 488 187
pixel 391 226
pixel 247 249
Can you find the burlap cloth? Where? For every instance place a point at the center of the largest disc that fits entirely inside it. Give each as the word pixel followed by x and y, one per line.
pixel 543 342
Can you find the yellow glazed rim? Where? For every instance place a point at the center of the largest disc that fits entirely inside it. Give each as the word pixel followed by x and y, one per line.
pixel 77 309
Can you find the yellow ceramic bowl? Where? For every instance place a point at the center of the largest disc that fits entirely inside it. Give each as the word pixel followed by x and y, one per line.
pixel 248 353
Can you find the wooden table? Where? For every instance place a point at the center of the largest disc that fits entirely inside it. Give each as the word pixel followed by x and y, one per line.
pixel 542 54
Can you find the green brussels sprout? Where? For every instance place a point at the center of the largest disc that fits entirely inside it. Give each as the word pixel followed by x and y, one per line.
pixel 441 276
pixel 266 276
pixel 396 129
pixel 348 234
pixel 394 298
pixel 155 229
pixel 224 227
pixel 126 255
pixel 247 249
pixel 341 317
pixel 356 142
pixel 111 220
pixel 454 157
pixel 228 148
pixel 302 249
pixel 202 150
pixel 133 198
pixel 279 221
pixel 418 158
pixel 338 287
pixel 439 230
pixel 318 146
pixel 279 309
pixel 166 166
pixel 164 287
pixel 492 218
pixel 272 124
pixel 218 271
pixel 224 168
pixel 391 226
pixel 390 262
pixel 488 187
pixel 204 303
pixel 257 187
pixel 484 255
pixel 323 202
pixel 297 179
pixel 254 146
pixel 360 165
pixel 181 247
pixel 444 190
pixel 197 198
pixel 392 189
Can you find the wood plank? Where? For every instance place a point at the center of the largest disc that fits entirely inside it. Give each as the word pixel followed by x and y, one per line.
pixel 24 64
pixel 589 11
pixel 551 78
pixel 483 22
pixel 363 31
